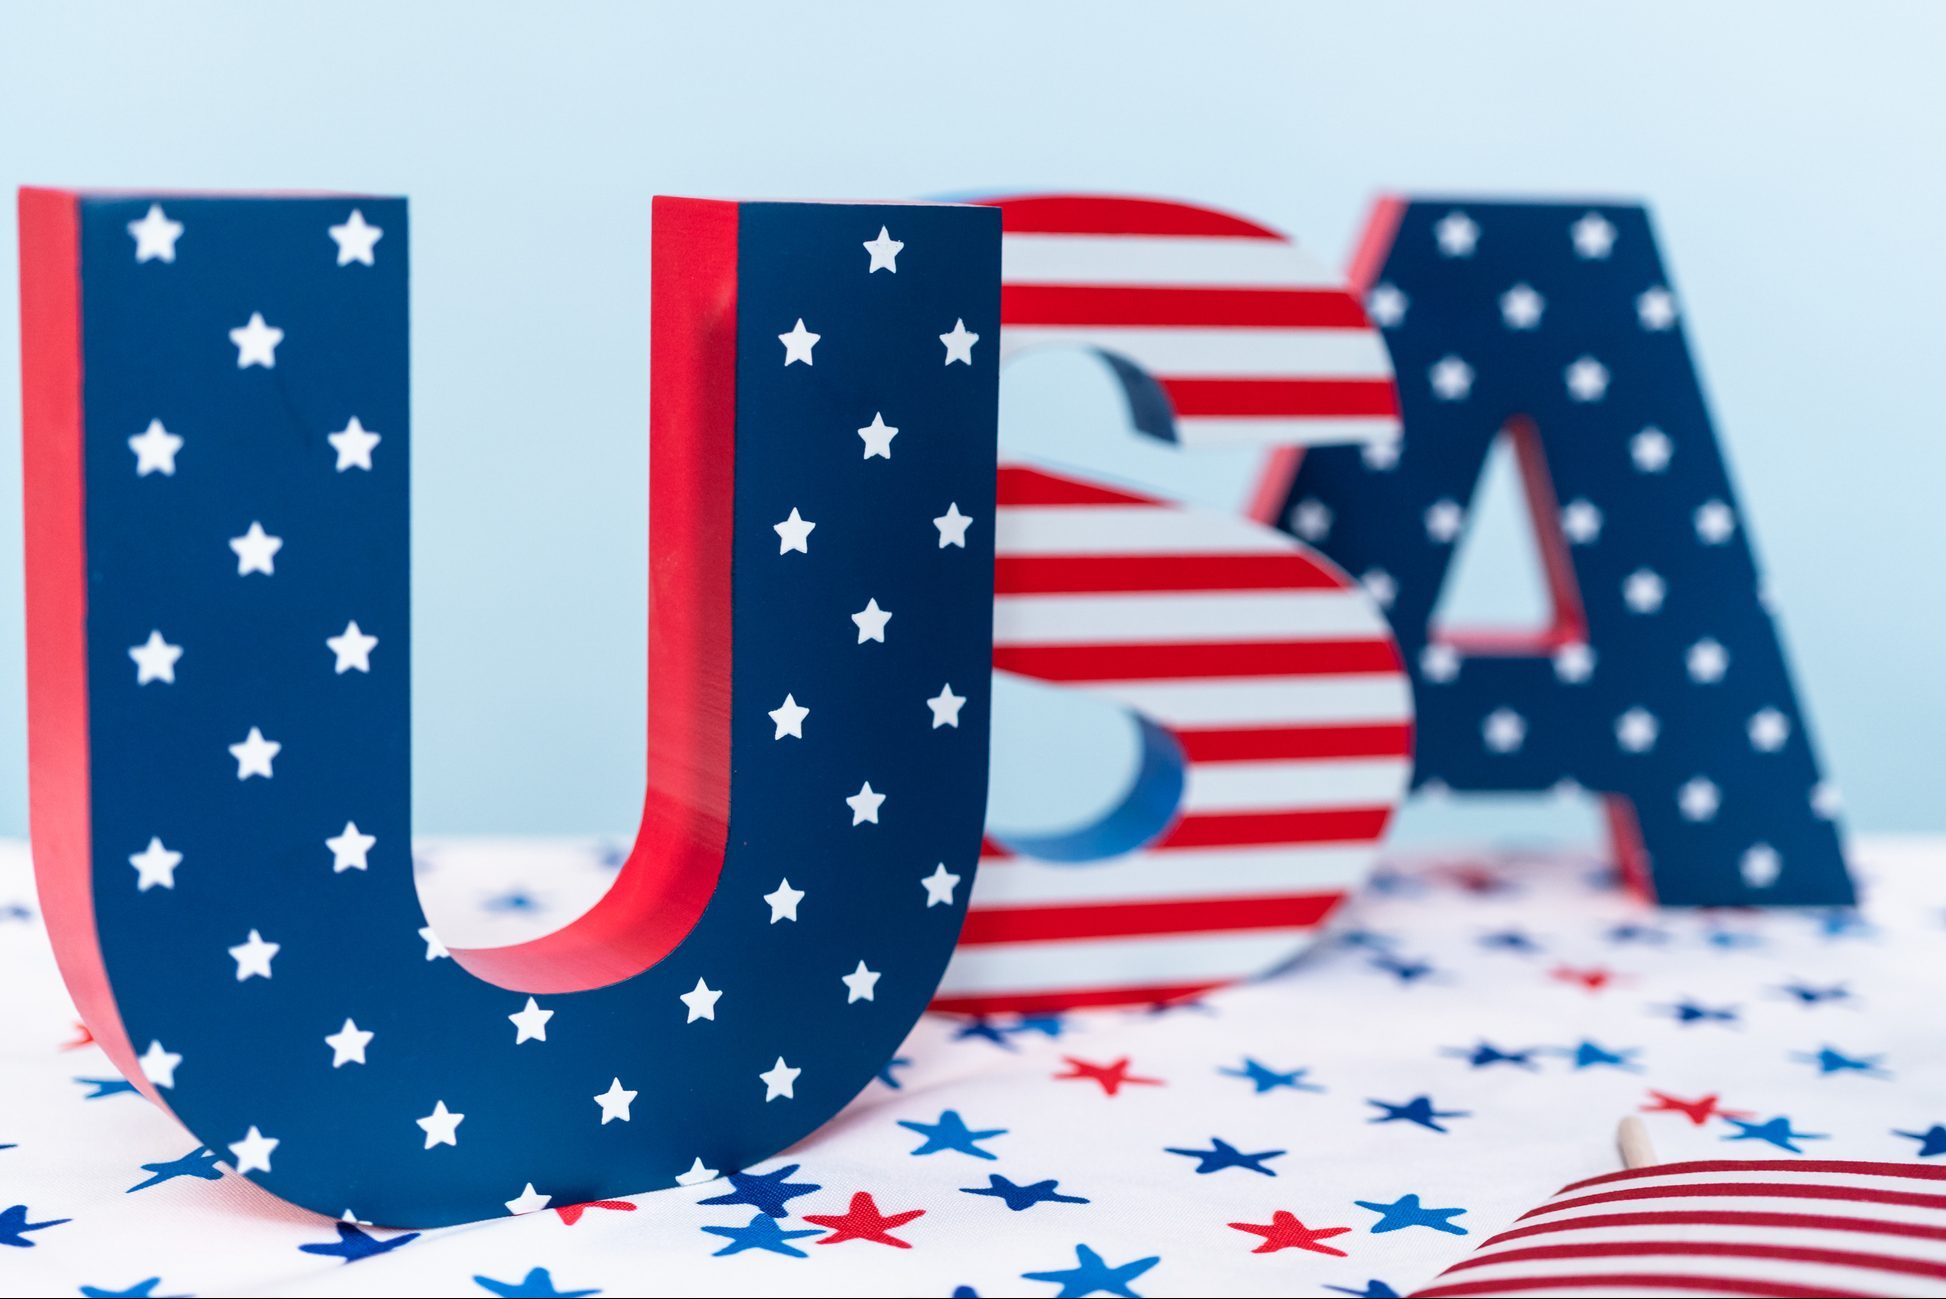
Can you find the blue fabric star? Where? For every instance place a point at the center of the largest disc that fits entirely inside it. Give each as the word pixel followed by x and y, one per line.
pixel 353 1244
pixel 1588 1054
pixel 1222 1154
pixel 1688 1012
pixel 1648 935
pixel 1406 1211
pixel 983 1028
pixel 1843 922
pixel 14 1226
pixel 761 1232
pixel 1417 1110
pixel 1023 1197
pixel 886 1076
pixel 1509 940
pixel 101 1087
pixel 1266 1079
pixel 1777 1132
pixel 144 1289
pixel 1091 1274
pixel 1180 1005
pixel 537 1284
pixel 767 1192
pixel 1390 880
pixel 1486 1053
pixel 200 1162
pixel 515 900
pixel 1809 995
pixel 951 1133
pixel 1404 970
pixel 1373 1290
pixel 1830 1060
pixel 16 911
pixel 1045 1025
pixel 1931 1142
pixel 1731 940
pixel 1367 939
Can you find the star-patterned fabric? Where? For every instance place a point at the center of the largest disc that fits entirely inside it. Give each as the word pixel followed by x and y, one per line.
pixel 1461 1044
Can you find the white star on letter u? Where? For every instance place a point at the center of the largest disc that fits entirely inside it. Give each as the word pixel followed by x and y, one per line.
pixel 798 343
pixel 885 252
pixel 959 343
pixel 865 804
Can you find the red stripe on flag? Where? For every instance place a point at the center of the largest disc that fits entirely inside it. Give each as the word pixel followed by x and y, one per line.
pixel 1857 1167
pixel 1143 306
pixel 1131 919
pixel 1380 740
pixel 1755 1190
pixel 1103 214
pixel 1713 1249
pixel 1029 1002
pixel 1642 1283
pixel 1197 661
pixel 1281 397
pixel 1020 486
pixel 1200 572
pixel 1726 1218
pixel 1325 825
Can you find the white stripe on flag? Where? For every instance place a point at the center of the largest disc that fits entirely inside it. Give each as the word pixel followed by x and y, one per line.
pixel 1215 352
pixel 1183 617
pixel 1055 530
pixel 1168 874
pixel 1088 963
pixel 1166 261
pixel 1294 785
pixel 1267 701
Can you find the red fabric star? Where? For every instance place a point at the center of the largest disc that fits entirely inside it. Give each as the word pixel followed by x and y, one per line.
pixel 1698 1112
pixel 863 1221
pixel 571 1213
pixel 1284 1231
pixel 1594 978
pixel 1474 878
pixel 1112 1077
pixel 82 1037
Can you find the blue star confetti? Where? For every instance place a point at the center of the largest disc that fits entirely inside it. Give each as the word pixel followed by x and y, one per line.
pixel 1222 1155
pixel 1091 1274
pixel 1406 1211
pixel 1018 1197
pixel 762 1232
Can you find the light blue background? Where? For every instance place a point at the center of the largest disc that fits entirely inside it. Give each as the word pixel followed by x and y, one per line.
pixel 1791 152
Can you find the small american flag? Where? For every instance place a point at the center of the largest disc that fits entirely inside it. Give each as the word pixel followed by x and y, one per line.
pixel 1771 1227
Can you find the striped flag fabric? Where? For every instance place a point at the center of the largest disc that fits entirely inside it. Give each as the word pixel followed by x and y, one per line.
pixel 1276 714
pixel 1283 699
pixel 1784 1228
pixel 1224 332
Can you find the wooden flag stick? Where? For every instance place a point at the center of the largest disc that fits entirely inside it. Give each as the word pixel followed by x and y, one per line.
pixel 1632 1139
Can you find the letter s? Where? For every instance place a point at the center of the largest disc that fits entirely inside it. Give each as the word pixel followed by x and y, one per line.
pixel 1274 712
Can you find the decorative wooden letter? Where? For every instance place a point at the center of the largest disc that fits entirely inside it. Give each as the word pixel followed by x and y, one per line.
pixel 217 469
pixel 1275 714
pixel 1662 682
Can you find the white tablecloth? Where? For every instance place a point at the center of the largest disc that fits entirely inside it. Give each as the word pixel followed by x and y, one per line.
pixel 1461 1045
